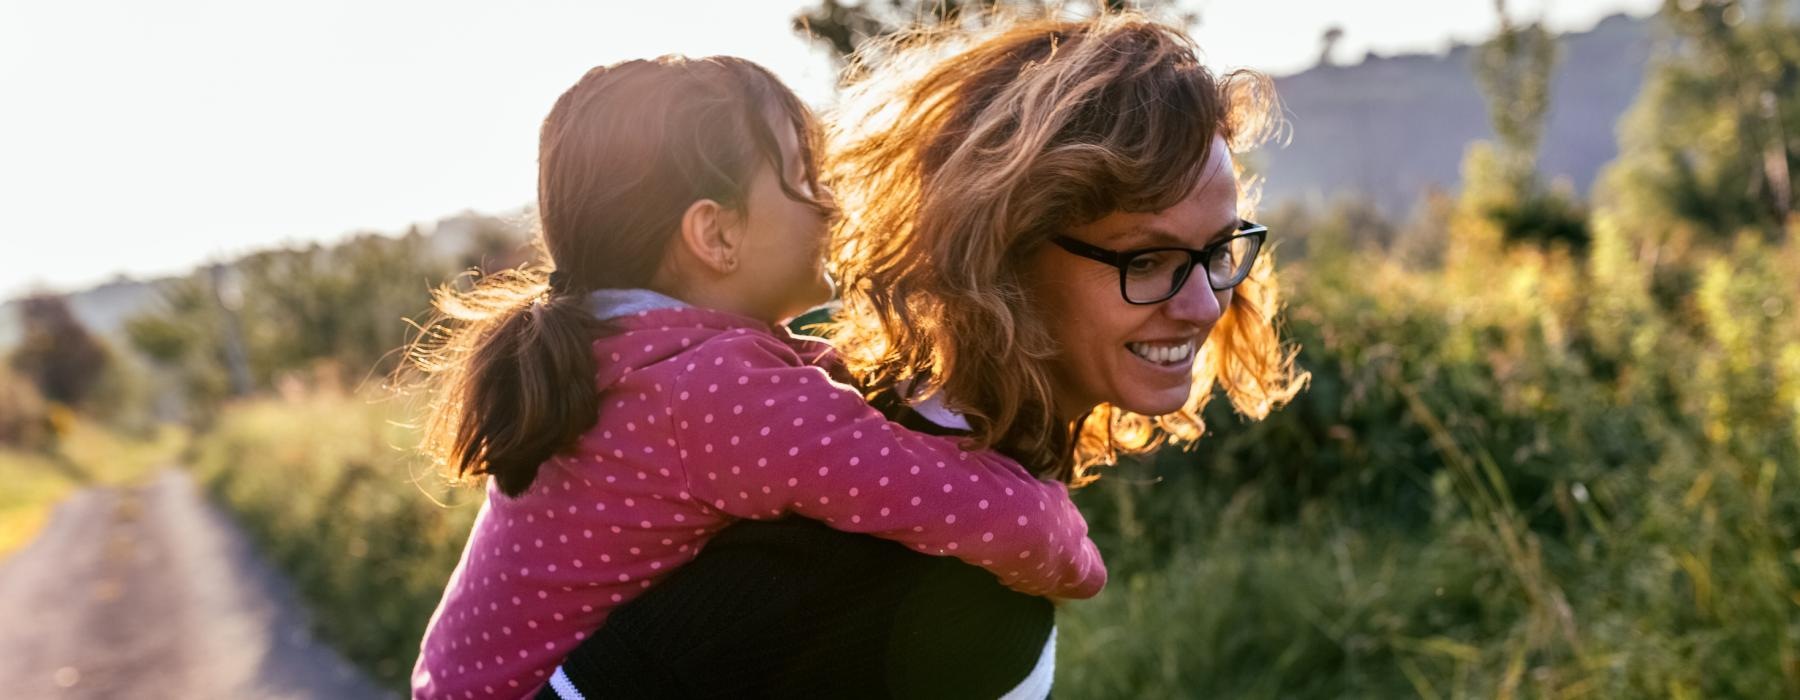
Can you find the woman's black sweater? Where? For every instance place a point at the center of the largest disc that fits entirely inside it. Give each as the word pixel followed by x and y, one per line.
pixel 793 608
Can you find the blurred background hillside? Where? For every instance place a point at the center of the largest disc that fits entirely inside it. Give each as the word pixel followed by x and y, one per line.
pixel 1547 284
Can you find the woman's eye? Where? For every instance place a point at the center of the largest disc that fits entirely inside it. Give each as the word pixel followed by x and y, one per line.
pixel 1223 262
pixel 1153 264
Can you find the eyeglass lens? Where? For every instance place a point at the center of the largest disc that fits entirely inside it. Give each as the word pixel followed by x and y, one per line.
pixel 1155 275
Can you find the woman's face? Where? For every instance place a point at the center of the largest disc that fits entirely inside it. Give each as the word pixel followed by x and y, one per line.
pixel 782 261
pixel 1137 357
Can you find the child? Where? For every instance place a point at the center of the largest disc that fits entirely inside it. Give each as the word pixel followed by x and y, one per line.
pixel 680 207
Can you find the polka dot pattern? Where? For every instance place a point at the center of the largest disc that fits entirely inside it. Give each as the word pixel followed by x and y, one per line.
pixel 708 418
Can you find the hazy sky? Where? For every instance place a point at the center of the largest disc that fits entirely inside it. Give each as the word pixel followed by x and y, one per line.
pixel 145 137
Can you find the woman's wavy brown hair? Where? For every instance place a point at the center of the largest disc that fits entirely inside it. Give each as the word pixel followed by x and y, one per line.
pixel 621 156
pixel 956 154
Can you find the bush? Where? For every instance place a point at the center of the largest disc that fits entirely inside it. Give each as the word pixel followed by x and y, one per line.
pixel 24 418
pixel 326 484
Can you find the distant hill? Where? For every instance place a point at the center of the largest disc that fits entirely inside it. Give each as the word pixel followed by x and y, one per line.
pixel 106 308
pixel 1388 128
pixel 102 309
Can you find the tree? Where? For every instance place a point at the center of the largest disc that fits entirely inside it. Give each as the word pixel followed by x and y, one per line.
pixel 1501 180
pixel 235 328
pixel 57 354
pixel 1513 69
pixel 23 414
pixel 1706 151
pixel 1328 43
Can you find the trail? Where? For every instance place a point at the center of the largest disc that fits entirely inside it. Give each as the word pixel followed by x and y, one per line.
pixel 151 592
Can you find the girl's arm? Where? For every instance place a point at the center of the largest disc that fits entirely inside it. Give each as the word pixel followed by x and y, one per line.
pixel 772 437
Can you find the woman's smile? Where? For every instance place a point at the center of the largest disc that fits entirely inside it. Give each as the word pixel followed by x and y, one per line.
pixel 1166 354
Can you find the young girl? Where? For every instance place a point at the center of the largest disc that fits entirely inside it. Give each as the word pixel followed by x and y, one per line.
pixel 647 397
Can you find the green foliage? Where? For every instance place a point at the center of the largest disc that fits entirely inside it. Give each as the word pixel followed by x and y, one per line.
pixel 340 310
pixel 1710 143
pixel 1304 230
pixel 369 536
pixel 24 418
pixel 186 337
pixel 1513 69
pixel 1500 181
pixel 1547 217
pixel 295 303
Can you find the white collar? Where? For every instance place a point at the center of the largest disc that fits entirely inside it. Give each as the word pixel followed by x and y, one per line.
pixel 932 408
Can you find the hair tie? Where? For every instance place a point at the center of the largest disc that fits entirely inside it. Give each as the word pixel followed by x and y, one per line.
pixel 559 282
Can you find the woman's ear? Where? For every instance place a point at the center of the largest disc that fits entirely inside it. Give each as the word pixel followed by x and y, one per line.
pixel 712 234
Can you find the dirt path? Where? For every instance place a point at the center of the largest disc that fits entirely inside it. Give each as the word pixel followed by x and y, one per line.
pixel 153 593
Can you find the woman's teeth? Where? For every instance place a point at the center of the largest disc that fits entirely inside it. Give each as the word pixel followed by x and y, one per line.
pixel 1162 354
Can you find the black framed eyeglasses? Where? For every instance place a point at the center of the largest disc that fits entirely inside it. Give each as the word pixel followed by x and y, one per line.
pixel 1152 275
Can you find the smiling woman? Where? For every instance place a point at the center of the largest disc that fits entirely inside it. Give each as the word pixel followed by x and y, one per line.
pixel 990 186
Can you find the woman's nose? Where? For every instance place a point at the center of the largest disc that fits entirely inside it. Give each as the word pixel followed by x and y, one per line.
pixel 1197 303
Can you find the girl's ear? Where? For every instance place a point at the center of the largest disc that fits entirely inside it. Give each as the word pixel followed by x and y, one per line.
pixel 712 234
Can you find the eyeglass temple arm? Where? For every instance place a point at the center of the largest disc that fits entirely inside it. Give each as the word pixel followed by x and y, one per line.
pixel 1090 251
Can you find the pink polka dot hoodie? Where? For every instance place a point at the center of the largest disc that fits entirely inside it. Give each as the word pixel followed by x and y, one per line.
pixel 708 418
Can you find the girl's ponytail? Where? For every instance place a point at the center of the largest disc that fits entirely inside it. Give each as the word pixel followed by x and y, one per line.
pixel 621 156
pixel 517 378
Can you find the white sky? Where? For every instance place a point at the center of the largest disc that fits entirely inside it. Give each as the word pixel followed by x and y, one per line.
pixel 147 137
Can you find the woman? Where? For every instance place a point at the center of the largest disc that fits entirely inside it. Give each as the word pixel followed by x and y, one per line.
pixel 1042 250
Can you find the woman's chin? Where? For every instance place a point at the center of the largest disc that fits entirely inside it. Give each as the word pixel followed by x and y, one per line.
pixel 1156 402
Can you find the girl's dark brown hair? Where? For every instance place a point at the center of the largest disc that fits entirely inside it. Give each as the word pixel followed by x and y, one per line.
pixel 957 153
pixel 621 156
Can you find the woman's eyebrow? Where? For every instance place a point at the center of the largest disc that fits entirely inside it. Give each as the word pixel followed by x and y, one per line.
pixel 1158 236
pixel 1231 228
